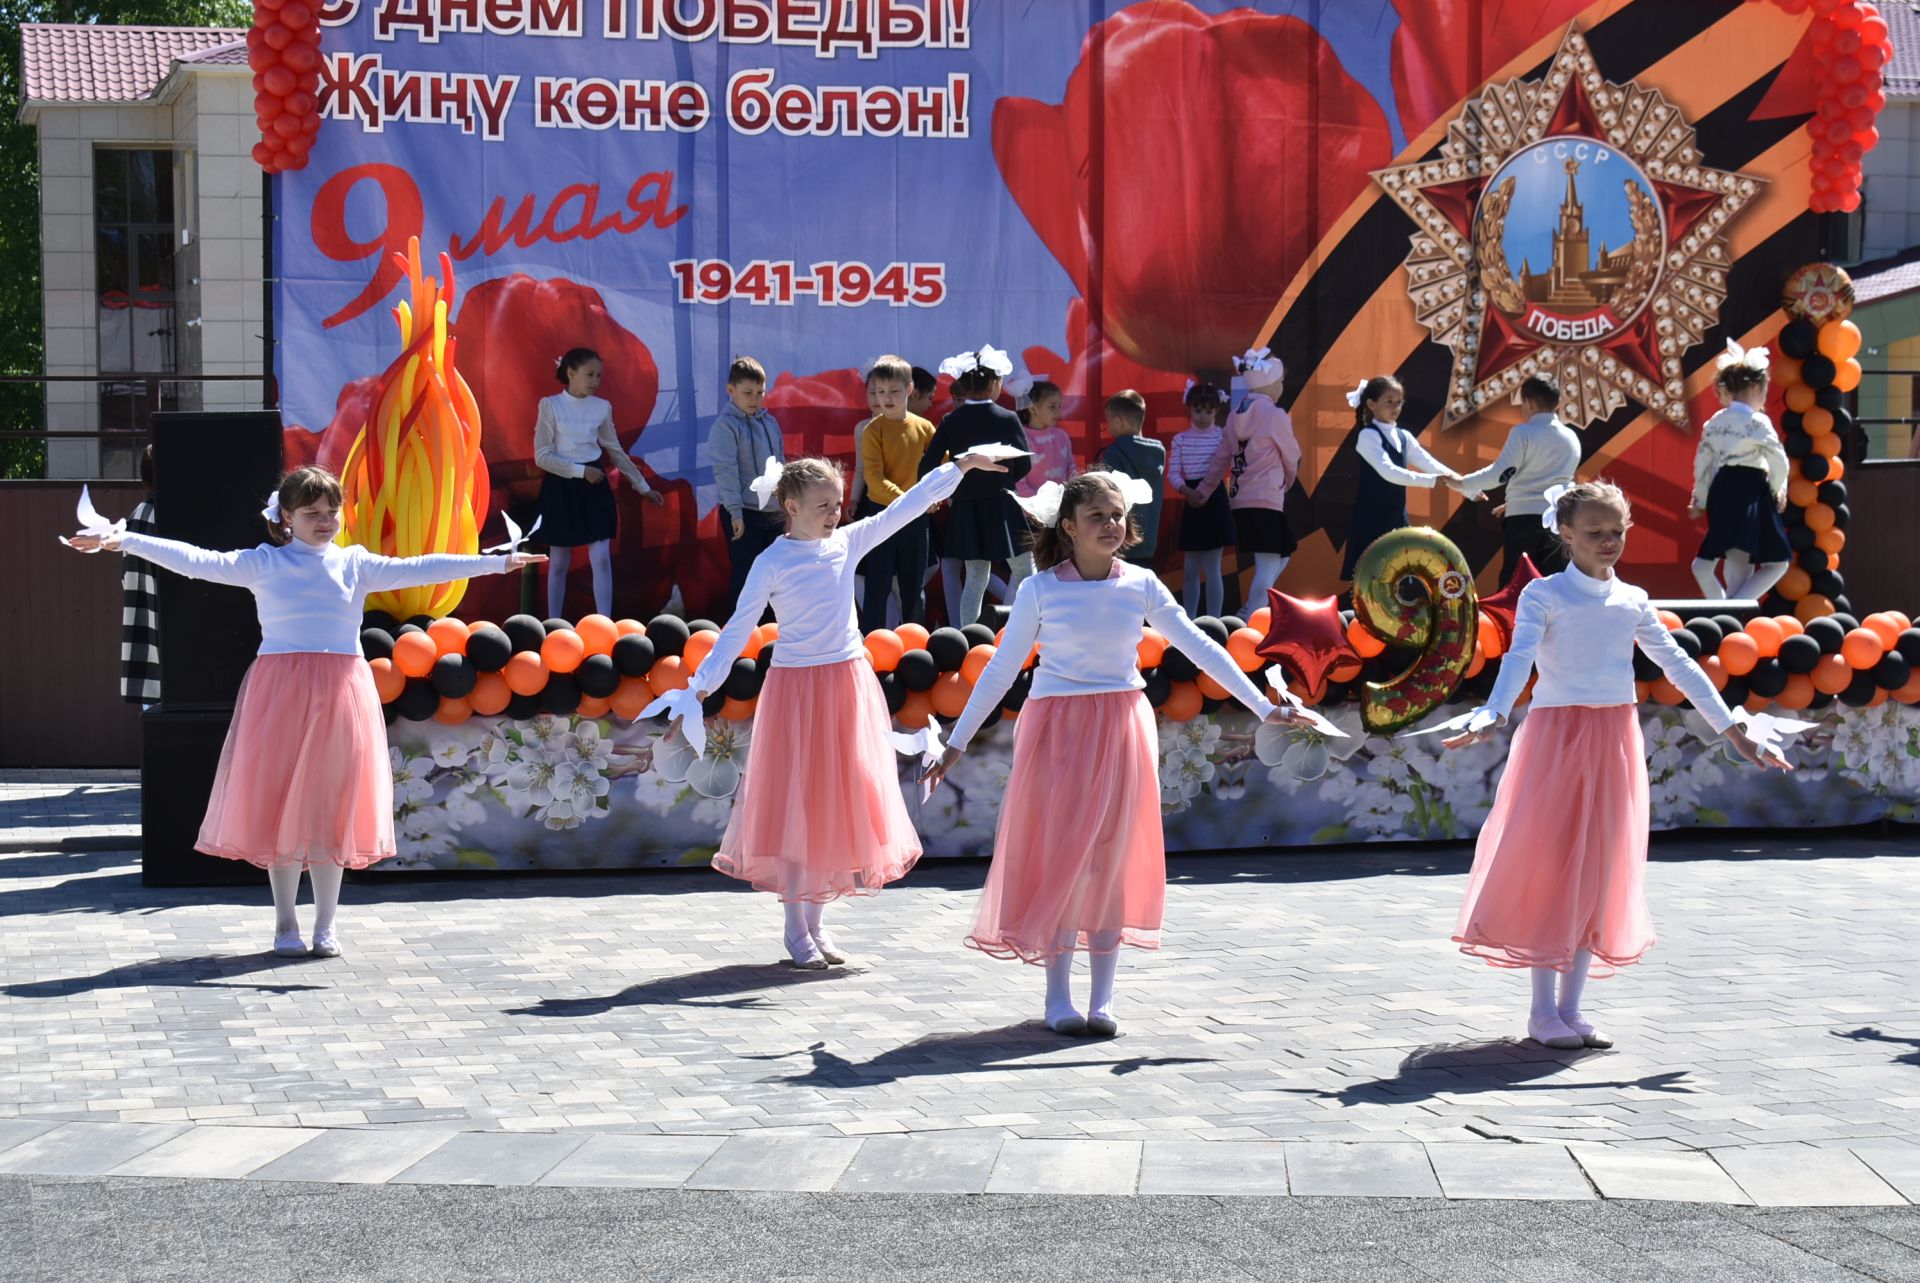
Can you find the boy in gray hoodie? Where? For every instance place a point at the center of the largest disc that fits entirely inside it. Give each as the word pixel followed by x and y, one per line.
pixel 742 439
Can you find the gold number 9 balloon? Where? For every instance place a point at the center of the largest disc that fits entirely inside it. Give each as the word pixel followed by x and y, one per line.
pixel 1412 589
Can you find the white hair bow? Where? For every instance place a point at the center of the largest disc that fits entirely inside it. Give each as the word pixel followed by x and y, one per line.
pixel 92 523
pixel 1043 505
pixel 1257 360
pixel 271 512
pixel 985 357
pixel 1754 358
pixel 514 537
pixel 1551 517
pixel 1357 395
pixel 763 485
pixel 866 368
pixel 1220 393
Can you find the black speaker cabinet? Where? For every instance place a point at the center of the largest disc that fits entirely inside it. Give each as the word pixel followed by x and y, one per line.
pixel 179 752
pixel 212 473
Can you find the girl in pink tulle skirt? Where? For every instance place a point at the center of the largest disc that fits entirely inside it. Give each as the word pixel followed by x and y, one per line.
pixel 304 782
pixel 819 814
pixel 1079 861
pixel 1558 872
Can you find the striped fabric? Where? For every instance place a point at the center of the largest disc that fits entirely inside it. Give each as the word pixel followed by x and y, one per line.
pixel 139 620
pixel 1192 450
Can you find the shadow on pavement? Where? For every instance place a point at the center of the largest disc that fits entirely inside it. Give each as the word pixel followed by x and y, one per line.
pixel 711 988
pixel 1870 1034
pixel 1500 1065
pixel 984 1050
pixel 209 972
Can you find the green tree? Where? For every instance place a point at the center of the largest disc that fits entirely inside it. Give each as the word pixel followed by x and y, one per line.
pixel 23 405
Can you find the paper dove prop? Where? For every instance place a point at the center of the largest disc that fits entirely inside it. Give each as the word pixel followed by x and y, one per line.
pixel 927 744
pixel 764 484
pixel 685 706
pixel 92 523
pixel 1769 733
pixel 1478 720
pixel 514 537
pixel 995 452
pixel 1315 720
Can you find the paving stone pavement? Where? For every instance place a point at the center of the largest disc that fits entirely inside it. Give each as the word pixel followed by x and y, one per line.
pixel 1307 1030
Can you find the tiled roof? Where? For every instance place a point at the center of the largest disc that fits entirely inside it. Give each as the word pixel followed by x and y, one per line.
pixel 1903 25
pixel 1886 282
pixel 87 63
pixel 231 54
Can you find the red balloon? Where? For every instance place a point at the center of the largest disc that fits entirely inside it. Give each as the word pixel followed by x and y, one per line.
pixel 301 103
pixel 299 145
pixel 1847 69
pixel 297 14
pixel 1307 639
pixel 286 124
pixel 276 36
pixel 1500 607
pixel 263 155
pixel 260 57
pixel 301 57
pixel 1848 15
pixel 1850 202
pixel 310 125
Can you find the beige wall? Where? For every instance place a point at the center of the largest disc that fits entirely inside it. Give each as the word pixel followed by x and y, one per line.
pixel 1891 192
pixel 206 117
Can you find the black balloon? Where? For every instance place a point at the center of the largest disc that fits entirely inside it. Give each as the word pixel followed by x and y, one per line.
pixel 948 646
pixel 1798 445
pixel 1686 640
pixel 1814 468
pixel 1842 618
pixel 765 661
pixel 917 671
pixel 1800 339
pixel 1908 644
pixel 1832 400
pixel 1644 669
pixel 895 690
pixel 525 632
pixel 1795 517
pixel 561 694
pixel 1820 700
pixel 1842 517
pixel 404 629
pixel 376 643
pixel 1802 537
pixel 598 676
pixel 1817 371
pixel 1833 493
pixel 380 619
pixel 453 676
pixel 1828 583
pixel 669 634
pixel 1827 633
pixel 1233 622
pixel 1810 559
pixel 391 712
pixel 701 625
pixel 419 700
pixel 1159 686
pixel 1728 624
pixel 489 649
pixel 1892 672
pixel 1213 628
pixel 1177 666
pixel 743 681
pixel 1843 606
pixel 712 704
pixel 1799 654
pixel 422 622
pixel 1017 693
pixel 1768 678
pixel 1708 632
pixel 1735 692
pixel 977 635
pixel 1859 692
pixel 522 707
pixel 633 655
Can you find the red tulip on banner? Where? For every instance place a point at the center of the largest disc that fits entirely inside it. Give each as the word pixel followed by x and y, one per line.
pixel 1435 61
pixel 1307 639
pixel 1251 102
pixel 328 448
pixel 1500 606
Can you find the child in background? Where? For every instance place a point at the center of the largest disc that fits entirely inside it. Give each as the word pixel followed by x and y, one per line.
pixel 1141 457
pixel 304 782
pixel 819 813
pixel 925 385
pixel 1038 405
pixel 1740 484
pixel 1206 524
pixel 1539 455
pixel 1394 459
pixel 982 520
pixel 1257 460
pixel 573 441
pixel 890 464
pixel 742 439
pixel 1558 871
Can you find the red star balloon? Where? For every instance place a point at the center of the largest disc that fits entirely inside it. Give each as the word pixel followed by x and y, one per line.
pixel 1501 605
pixel 1307 639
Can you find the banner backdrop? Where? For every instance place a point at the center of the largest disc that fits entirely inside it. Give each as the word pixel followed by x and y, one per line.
pixel 1120 195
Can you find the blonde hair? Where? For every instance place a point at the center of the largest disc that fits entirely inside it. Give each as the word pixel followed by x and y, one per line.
pixel 890 369
pixel 802 475
pixel 1583 492
pixel 299 488
pixel 1050 543
pixel 1129 405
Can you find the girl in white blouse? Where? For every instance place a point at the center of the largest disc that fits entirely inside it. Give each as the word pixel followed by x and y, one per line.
pixel 1557 881
pixel 1395 459
pixel 1740 484
pixel 1079 860
pixel 573 441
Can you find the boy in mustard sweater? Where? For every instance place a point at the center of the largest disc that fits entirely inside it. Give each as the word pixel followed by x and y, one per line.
pixel 890 451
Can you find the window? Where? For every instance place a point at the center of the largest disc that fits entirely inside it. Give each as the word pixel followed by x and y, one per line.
pixel 133 241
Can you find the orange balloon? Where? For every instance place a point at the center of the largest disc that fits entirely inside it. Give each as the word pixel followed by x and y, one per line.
pixel 1831 675
pixel 1670 620
pixel 387 679
pixel 1212 689
pixel 1846 374
pixel 1838 340
pixel 1757 703
pixel 594 706
pixel 630 627
pixel 1665 692
pixel 1526 692
pixel 1802 492
pixel 1817 422
pixel 452 712
pixel 884 649
pixel 1798 693
pixel 698 647
pixel 757 641
pixel 976 663
pixel 669 673
pixel 414 653
pixel 1739 653
pixel 1642 692
pixel 1880 695
pixel 1813 606
pixel 1900 620
pixel 1819 517
pixel 1261 620
pixel 1830 540
pixel 1240 645
pixel 773 630
pixel 912 636
pixel 1789 626
pixel 1827 447
pixel 632 695
pixel 1883 626
pixel 1347 670
pixel 490 694
pixel 1833 561
pixel 562 650
pixel 738 710
pixel 1364 643
pixel 1474 666
pixel 449 637
pixel 1910 693
pixel 1795 584
pixel 1862 648
pixel 1305 696
pixel 1836 468
pixel 524 673
pixel 950 691
pixel 1152 648
pixel 598 634
pixel 1799 398
pixel 1715 670
pixel 1767 635
pixel 915 712
pixel 1183 705
pixel 1033 657
pixel 1487 638
pixel 1786 369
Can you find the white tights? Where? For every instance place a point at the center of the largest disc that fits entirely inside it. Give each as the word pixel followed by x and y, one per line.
pixel 560 563
pixel 1266 572
pixel 1573 984
pixel 1103 960
pixel 1202 570
pixel 285 881
pixel 1745 581
pixel 980 577
pixel 804 931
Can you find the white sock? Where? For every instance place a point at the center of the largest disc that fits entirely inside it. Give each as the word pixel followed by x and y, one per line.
pixel 1103 962
pixel 1572 985
pixel 1059 1000
pixel 1190 583
pixel 559 563
pixel 1761 581
pixel 813 914
pixel 799 939
pixel 1703 575
pixel 973 592
pixel 326 879
pixel 600 557
pixel 285 881
pixel 1216 582
pixel 1266 570
pixel 1543 1002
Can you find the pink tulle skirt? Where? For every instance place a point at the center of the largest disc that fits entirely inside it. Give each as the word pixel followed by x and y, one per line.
pixel 820 814
pixel 1561 862
pixel 1079 861
pixel 303 777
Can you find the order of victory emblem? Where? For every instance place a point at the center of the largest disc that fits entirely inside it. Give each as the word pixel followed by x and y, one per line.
pixel 1568 228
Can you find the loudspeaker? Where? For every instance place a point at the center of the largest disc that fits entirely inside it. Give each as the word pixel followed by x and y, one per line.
pixel 180 752
pixel 212 472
